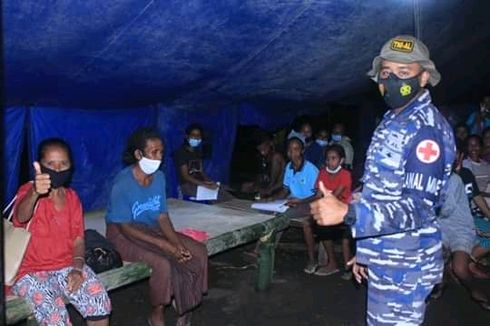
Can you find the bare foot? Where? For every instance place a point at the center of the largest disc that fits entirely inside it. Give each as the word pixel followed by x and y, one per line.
pixel 156 317
pixel 185 319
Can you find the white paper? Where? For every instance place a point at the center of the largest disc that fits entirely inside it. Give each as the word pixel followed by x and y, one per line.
pixel 273 206
pixel 204 193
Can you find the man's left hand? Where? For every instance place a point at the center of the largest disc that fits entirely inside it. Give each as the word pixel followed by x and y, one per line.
pixel 328 210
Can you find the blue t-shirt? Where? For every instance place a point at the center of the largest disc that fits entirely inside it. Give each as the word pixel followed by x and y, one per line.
pixel 132 203
pixel 301 183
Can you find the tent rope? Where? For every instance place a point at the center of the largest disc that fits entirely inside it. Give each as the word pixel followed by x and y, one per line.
pixel 417 16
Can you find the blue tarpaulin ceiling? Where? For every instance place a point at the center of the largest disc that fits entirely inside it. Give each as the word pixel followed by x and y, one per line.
pixel 92 71
pixel 135 52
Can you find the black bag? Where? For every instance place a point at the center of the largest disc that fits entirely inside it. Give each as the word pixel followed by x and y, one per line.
pixel 100 254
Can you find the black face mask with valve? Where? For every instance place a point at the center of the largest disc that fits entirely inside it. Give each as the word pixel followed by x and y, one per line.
pixel 58 179
pixel 398 92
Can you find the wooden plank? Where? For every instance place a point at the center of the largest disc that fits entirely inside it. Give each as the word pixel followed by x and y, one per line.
pixel 245 235
pixel 238 204
pixel 245 206
pixel 213 219
pixel 297 222
pixel 16 310
pixel 127 274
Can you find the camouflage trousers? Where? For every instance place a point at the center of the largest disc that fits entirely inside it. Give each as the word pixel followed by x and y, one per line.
pixel 396 296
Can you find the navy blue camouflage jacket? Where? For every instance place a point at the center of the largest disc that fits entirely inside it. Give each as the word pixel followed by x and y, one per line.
pixel 407 164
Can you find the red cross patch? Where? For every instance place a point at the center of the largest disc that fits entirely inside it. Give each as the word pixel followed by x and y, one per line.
pixel 428 151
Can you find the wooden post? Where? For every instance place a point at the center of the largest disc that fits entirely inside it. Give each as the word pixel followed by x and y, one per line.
pixel 266 259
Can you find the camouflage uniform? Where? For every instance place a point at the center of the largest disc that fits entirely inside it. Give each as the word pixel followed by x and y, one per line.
pixel 407 164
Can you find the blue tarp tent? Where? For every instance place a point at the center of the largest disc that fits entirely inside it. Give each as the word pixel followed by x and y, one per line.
pixel 92 71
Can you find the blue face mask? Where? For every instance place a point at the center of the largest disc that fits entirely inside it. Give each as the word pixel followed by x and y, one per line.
pixel 194 142
pixel 336 137
pixel 322 142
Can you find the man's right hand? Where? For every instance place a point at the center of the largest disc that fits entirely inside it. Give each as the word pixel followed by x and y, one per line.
pixel 42 181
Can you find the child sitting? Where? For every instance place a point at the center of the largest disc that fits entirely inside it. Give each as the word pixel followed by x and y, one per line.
pixel 299 189
pixel 338 180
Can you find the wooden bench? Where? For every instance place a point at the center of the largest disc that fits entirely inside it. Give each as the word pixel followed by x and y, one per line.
pixel 226 226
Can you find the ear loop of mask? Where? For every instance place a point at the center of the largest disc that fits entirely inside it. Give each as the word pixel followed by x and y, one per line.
pixel 336 170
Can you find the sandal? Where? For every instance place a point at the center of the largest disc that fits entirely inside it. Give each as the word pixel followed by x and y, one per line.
pixel 185 320
pixel 310 268
pixel 347 275
pixel 483 303
pixel 323 271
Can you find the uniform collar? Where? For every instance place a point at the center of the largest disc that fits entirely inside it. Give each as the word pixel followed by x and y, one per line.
pixel 291 166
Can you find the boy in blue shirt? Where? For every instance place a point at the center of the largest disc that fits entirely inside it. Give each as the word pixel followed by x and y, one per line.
pixel 299 188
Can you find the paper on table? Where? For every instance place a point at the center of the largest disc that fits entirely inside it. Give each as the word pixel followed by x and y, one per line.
pixel 204 193
pixel 273 206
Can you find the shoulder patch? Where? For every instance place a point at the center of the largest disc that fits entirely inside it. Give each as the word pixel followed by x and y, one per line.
pixel 428 151
pixel 401 45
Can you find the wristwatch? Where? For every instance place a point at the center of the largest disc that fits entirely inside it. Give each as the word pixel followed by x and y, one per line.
pixel 350 218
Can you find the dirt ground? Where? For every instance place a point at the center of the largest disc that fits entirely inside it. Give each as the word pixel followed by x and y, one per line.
pixel 294 299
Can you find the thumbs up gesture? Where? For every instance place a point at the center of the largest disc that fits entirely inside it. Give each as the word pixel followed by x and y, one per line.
pixel 328 210
pixel 42 181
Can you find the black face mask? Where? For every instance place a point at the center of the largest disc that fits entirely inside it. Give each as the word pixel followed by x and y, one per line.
pixel 398 92
pixel 58 179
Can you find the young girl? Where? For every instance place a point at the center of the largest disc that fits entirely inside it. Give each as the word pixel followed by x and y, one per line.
pixel 339 181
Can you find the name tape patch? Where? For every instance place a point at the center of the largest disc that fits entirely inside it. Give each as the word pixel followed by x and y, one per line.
pixel 402 45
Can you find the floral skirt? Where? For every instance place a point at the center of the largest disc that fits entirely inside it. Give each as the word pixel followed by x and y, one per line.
pixel 44 292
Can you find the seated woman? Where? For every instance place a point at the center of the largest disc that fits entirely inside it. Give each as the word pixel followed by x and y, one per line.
pixel 269 180
pixel 485 152
pixel 139 227
pixel 458 230
pixel 479 167
pixel 190 168
pixel 53 266
pixel 298 187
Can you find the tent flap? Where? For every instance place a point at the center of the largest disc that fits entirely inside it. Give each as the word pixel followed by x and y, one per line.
pixel 13 142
